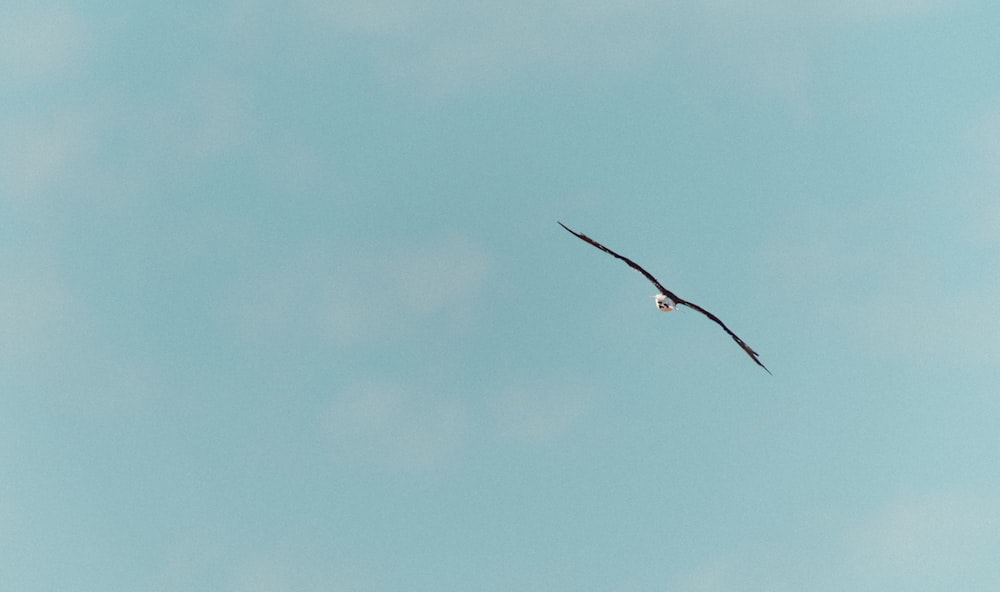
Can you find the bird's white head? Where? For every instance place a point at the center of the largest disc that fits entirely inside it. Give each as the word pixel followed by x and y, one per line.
pixel 664 303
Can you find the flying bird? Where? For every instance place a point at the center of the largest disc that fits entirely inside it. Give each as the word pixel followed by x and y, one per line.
pixel 667 300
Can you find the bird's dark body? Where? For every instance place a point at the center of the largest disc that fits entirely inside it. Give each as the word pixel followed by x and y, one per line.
pixel 750 352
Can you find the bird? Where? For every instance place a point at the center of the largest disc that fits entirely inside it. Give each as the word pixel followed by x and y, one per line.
pixel 665 299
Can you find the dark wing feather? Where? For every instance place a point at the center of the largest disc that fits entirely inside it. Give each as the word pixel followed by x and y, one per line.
pixel 649 276
pixel 631 263
pixel 746 348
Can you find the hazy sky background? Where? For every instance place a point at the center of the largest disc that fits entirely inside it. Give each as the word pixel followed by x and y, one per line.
pixel 285 306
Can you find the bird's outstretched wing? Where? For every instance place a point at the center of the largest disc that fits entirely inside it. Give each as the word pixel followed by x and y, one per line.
pixel 631 263
pixel 750 352
pixel 746 348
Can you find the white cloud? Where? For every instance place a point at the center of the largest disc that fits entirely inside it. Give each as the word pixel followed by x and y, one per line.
pixel 433 277
pixel 806 257
pixel 376 16
pixel 300 171
pixel 879 10
pixel 51 342
pixel 984 138
pixel 380 298
pixel 188 563
pixel 714 576
pixel 220 116
pixel 384 425
pixel 938 274
pixel 914 314
pixel 204 561
pixel 283 569
pixel 538 414
pixel 906 282
pixel 39 154
pixel 776 14
pixel 39 43
pixel 377 295
pixel 209 115
pixel 102 383
pixel 10 520
pixel 447 47
pixel 64 149
pixel 37 310
pixel 941 540
pixel 946 540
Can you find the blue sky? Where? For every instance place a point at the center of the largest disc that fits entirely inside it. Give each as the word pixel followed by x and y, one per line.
pixel 285 305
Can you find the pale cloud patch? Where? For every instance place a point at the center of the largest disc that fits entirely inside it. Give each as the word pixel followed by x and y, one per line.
pixel 447 46
pixel 377 298
pixel 915 315
pixel 39 43
pixel 497 42
pixel 376 16
pixel 792 14
pixel 353 312
pixel 714 576
pixel 62 151
pixel 879 10
pixel 37 310
pixel 438 276
pixel 51 342
pixel 301 172
pixel 936 541
pixel 984 138
pixel 366 296
pixel 807 259
pixel 294 296
pixel 284 569
pixel 208 115
pixel 106 384
pixel 265 574
pixel 9 518
pixel 889 277
pixel 764 48
pixel 385 425
pixel 40 154
pixel 937 283
pixel 767 48
pixel 188 563
pixel 266 308
pixel 939 540
pixel 216 116
pixel 535 414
